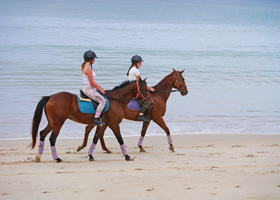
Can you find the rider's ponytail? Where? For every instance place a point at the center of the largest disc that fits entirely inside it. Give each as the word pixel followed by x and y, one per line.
pixel 83 65
pixel 133 64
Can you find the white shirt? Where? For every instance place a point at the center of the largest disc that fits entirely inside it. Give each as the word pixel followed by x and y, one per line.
pixel 85 77
pixel 133 73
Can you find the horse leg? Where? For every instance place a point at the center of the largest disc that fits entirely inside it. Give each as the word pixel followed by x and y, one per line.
pixel 162 124
pixel 53 137
pixel 87 131
pixel 143 133
pixel 102 142
pixel 98 132
pixel 117 133
pixel 43 135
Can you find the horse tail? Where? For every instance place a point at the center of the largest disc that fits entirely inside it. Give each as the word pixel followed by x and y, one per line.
pixel 37 119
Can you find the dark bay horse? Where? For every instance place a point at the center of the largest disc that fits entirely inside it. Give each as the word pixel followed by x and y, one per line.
pixel 163 90
pixel 61 106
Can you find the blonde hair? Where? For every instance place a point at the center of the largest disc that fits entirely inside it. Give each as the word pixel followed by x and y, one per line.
pixel 83 65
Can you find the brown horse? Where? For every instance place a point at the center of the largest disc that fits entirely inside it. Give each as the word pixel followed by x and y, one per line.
pixel 61 106
pixel 162 92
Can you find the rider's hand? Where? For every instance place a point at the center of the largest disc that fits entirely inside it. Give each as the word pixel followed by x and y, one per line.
pixel 102 91
pixel 152 89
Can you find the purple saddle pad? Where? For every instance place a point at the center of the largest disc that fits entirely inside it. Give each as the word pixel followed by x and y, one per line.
pixel 133 105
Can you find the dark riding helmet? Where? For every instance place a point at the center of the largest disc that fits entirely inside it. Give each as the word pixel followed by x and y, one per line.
pixel 88 55
pixel 136 58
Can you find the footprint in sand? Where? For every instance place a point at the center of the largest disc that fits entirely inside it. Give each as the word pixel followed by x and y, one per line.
pixel 250 156
pixel 149 190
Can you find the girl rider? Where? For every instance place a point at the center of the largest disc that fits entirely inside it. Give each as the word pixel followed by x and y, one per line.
pixel 133 73
pixel 90 87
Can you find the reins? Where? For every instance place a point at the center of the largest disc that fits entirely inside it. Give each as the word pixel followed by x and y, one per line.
pixel 138 94
pixel 110 97
pixel 166 91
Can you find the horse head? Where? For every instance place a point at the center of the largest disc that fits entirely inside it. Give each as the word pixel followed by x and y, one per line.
pixel 179 83
pixel 144 93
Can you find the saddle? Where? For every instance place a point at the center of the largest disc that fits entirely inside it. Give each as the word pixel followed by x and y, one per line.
pixel 87 105
pixel 134 106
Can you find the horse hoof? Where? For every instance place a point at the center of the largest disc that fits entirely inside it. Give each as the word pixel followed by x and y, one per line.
pixel 91 158
pixel 37 159
pixel 141 149
pixel 108 151
pixel 171 149
pixel 58 160
pixel 127 158
pixel 79 148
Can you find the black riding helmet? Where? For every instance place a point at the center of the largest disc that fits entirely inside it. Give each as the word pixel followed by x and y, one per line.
pixel 89 55
pixel 136 58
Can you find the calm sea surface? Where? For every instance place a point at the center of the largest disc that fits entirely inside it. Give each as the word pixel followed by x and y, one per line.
pixel 230 51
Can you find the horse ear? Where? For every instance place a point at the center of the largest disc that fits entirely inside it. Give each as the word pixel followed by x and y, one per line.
pixel 174 70
pixel 140 80
pixel 181 72
pixel 145 79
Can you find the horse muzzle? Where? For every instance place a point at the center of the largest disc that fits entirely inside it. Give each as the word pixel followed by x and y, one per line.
pixel 184 92
pixel 148 102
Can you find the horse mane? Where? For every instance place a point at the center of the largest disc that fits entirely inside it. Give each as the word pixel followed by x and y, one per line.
pixel 124 83
pixel 163 82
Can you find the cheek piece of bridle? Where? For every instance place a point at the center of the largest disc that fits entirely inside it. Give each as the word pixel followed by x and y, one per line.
pixel 180 82
pixel 144 99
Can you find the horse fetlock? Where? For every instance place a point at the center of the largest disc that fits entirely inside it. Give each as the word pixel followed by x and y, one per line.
pixel 171 148
pixel 108 151
pixel 141 149
pixel 79 148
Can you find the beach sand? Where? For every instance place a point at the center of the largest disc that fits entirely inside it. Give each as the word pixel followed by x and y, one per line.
pixel 202 167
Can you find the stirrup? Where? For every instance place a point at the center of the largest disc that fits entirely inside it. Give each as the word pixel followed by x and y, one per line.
pixel 97 121
pixel 142 118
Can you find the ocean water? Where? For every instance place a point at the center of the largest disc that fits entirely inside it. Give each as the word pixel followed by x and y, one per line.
pixel 230 51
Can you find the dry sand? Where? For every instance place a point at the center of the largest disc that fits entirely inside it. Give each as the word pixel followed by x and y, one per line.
pixel 202 167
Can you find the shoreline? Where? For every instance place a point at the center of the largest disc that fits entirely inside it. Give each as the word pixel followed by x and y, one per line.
pixel 203 166
pixel 147 135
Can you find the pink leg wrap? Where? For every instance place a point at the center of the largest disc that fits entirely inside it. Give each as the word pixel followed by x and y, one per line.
pixel 41 147
pixel 140 141
pixel 92 147
pixel 169 139
pixel 54 152
pixel 123 150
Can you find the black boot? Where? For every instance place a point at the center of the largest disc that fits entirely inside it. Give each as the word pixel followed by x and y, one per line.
pixel 142 118
pixel 97 121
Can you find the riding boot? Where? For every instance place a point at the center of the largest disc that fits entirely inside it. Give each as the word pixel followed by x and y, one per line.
pixel 98 121
pixel 142 118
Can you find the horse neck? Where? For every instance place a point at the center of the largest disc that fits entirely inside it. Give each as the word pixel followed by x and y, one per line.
pixel 125 94
pixel 165 85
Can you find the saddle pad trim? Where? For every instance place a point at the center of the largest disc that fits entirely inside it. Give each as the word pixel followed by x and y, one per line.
pixel 83 99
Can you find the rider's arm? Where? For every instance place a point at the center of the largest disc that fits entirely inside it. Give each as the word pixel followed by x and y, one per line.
pixel 88 72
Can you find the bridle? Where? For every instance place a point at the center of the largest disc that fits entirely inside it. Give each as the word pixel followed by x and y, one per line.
pixel 140 94
pixel 144 99
pixel 180 81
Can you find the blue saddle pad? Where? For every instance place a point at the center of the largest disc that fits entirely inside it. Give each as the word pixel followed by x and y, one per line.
pixel 85 105
pixel 133 105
